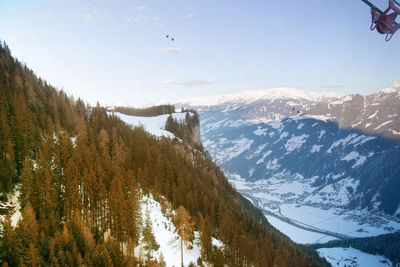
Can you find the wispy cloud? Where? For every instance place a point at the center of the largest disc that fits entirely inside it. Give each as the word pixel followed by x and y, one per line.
pixel 189 16
pixel 142 7
pixel 127 18
pixel 188 82
pixel 51 14
pixel 87 17
pixel 172 51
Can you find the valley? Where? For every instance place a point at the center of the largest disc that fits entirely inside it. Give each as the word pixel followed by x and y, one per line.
pixel 315 178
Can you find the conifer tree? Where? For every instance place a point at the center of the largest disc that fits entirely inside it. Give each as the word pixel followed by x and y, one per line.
pixel 183 227
pixel 149 239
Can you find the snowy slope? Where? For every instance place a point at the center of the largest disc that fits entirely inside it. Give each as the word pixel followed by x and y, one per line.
pixel 13 205
pixel 164 232
pixel 352 257
pixel 378 113
pixel 154 125
pixel 311 171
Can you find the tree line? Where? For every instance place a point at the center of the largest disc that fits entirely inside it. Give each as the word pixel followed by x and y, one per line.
pixel 146 112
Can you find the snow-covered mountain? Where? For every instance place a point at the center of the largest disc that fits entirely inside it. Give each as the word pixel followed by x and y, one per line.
pixel 258 106
pixel 318 162
pixel 377 113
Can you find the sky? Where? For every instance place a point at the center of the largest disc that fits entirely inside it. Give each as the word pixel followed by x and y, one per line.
pixel 116 52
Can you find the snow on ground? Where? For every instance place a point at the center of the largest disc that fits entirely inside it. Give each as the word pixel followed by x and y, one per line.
pixel 13 204
pixel 153 125
pixel 295 142
pixel 352 223
pixel 17 214
pixel 260 131
pixel 352 257
pixel 266 154
pixel 343 142
pixel 316 148
pixel 276 124
pixel 163 230
pixel 237 147
pixel 359 160
pixel 297 234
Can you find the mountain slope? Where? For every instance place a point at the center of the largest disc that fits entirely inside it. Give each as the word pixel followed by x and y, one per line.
pixel 314 178
pixel 81 174
pixel 344 168
pixel 378 113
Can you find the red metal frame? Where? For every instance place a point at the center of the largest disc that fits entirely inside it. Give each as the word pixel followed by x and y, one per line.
pixel 386 23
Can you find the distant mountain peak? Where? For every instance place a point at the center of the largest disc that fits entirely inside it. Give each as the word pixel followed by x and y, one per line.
pixel 393 88
pixel 249 96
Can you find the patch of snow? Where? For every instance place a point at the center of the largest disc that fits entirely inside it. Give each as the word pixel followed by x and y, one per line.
pixel 300 126
pixel 343 142
pixel 373 115
pixel 154 125
pixel 395 132
pixel 360 140
pixel 352 257
pixel 316 148
pixel 251 171
pixel 260 131
pixel 275 124
pixel 266 154
pixel 321 134
pixel 320 117
pixel 297 234
pixel 360 160
pixel 383 124
pixel 215 125
pixel 273 165
pixel 295 142
pixel 341 100
pixel 283 135
pixel 354 155
pixel 259 149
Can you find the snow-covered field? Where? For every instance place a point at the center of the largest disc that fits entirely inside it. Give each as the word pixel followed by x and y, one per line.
pixel 153 125
pixel 286 198
pixel 297 234
pixel 352 223
pixel 352 257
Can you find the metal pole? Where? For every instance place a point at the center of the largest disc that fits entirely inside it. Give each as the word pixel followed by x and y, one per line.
pixel 372 6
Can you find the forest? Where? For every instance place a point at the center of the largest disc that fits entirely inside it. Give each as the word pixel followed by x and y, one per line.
pixel 146 112
pixel 80 173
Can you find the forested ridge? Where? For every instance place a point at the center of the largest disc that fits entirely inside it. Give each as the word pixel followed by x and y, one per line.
pixel 80 173
pixel 146 112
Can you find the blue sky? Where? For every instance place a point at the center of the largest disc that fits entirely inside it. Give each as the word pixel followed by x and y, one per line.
pixel 115 52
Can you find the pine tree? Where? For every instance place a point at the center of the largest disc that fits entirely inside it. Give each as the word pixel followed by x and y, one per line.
pixel 9 249
pixel 149 239
pixel 183 227
pixel 205 238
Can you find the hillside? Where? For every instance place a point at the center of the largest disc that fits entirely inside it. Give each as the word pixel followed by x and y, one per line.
pixel 81 175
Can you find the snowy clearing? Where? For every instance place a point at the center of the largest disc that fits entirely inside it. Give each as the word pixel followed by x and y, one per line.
pixel 352 257
pixel 153 125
